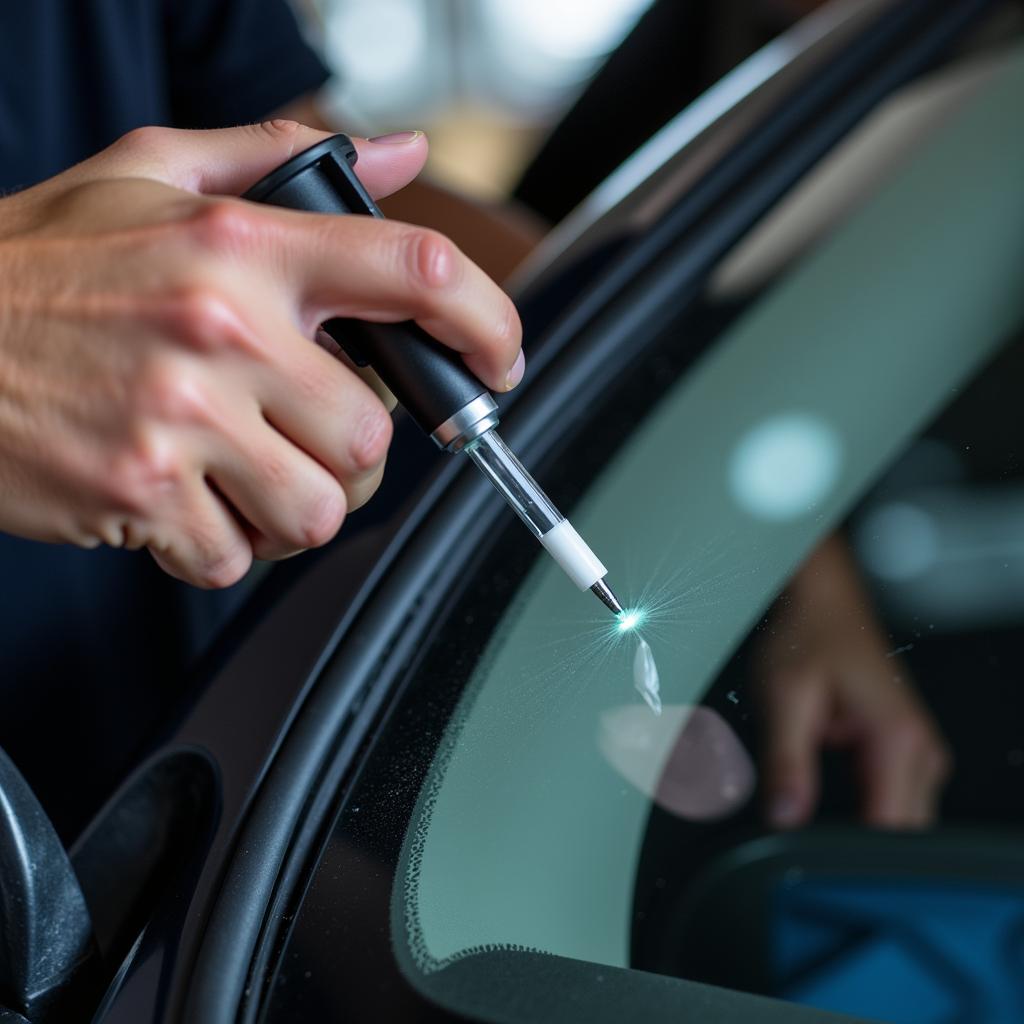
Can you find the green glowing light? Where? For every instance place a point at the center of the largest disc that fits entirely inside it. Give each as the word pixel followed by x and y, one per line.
pixel 629 619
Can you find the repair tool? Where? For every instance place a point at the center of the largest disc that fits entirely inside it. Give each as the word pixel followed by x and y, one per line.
pixel 428 379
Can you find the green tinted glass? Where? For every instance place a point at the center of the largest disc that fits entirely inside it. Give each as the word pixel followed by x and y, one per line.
pixel 529 831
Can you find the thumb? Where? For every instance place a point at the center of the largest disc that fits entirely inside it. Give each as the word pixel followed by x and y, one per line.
pixel 227 161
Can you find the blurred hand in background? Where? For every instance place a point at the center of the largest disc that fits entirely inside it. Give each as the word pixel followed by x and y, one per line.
pixel 826 679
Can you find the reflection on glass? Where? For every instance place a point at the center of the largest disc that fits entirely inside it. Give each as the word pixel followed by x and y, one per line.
pixel 954 553
pixel 646 679
pixel 571 30
pixel 559 816
pixel 784 467
pixel 899 541
pixel 688 761
pixel 377 42
pixel 402 59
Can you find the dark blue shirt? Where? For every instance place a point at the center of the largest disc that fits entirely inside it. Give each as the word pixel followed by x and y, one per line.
pixel 76 74
pixel 94 645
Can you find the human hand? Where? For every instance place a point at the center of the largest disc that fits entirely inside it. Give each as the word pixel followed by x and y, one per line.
pixel 158 384
pixel 827 680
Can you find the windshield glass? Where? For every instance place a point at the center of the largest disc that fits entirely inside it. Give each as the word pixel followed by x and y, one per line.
pixel 838 446
pixel 815 506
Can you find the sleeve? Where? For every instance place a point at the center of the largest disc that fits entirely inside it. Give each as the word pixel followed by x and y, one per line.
pixel 235 61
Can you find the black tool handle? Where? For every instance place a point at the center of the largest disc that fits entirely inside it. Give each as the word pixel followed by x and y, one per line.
pixel 429 380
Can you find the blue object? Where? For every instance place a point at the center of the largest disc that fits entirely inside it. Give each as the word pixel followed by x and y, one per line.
pixel 905 952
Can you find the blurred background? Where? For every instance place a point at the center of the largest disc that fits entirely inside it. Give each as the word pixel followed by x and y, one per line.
pixel 489 79
pixel 486 78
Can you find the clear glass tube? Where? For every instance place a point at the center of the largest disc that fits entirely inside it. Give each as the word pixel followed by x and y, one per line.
pixel 498 463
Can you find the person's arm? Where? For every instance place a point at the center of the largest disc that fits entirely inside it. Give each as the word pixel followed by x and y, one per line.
pixel 497 237
pixel 159 386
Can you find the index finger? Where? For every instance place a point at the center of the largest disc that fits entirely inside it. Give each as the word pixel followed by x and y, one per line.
pixel 795 713
pixel 385 271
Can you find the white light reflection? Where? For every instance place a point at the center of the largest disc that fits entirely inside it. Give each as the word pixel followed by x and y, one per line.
pixel 899 541
pixel 645 676
pixel 629 619
pixel 689 761
pixel 568 30
pixel 785 466
pixel 376 41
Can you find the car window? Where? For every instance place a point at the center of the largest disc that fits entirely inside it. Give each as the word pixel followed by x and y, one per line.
pixel 867 402
pixel 525 840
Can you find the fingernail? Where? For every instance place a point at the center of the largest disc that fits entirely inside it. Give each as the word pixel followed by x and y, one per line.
pixel 785 810
pixel 396 138
pixel 515 375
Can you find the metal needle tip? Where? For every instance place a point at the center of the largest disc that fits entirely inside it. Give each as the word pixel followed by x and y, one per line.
pixel 605 595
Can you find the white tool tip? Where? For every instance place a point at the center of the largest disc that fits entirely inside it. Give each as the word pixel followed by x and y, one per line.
pixel 573 554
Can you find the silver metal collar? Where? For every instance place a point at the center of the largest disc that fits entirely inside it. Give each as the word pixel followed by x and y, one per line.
pixel 472 420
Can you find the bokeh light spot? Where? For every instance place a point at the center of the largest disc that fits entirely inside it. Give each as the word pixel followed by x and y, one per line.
pixel 785 466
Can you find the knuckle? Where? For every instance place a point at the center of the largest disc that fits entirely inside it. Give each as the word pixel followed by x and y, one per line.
pixel 302 523
pixel 323 518
pixel 433 260
pixel 170 393
pixel 143 473
pixel 279 128
pixel 221 569
pixel 276 473
pixel 222 225
pixel 145 139
pixel 371 437
pixel 204 317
